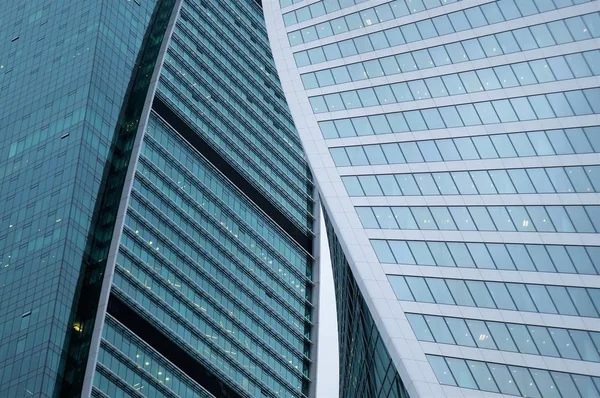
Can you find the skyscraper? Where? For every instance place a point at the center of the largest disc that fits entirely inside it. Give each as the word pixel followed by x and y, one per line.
pixel 455 147
pixel 156 226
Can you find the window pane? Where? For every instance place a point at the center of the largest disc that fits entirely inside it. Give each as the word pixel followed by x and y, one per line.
pixel 522 338
pixel 501 296
pixel 524 73
pixel 523 109
pixel 339 156
pixel 506 76
pixel 503 379
pixel 484 146
pixel 522 144
pixel 448 149
pixel 585 385
pixel 584 345
pixel 543 341
pixel 482 218
pixel 483 376
pixel 441 254
pixel 480 255
pixel 520 218
pixel 559 179
pixel 541 298
pixel 541 106
pixel 357 156
pixel 466 148
pixel 522 298
pixel 384 217
pixel 352 186
pixel 502 336
pixel 582 301
pixel 443 219
pixel 419 289
pixel 384 254
pixel 461 373
pixel 524 380
pixel 439 290
pixel 445 183
pixel 417 322
pixel 415 120
pixel 401 252
pixel 380 124
pixel 500 255
pixel 460 332
pixel 560 258
pixel 392 153
pixel 433 119
pixel 370 186
pixel 522 182
pixel 501 217
pixel 480 294
pixel 505 111
pixel 581 260
pixel 429 151
pixel 421 253
pixel 545 383
pixel 482 335
pixel 424 218
pixel 461 254
pixel 502 182
pixel 540 256
pixel 411 152
pixel 407 184
pixel 560 219
pixel 442 372
pixel 468 114
pixel 453 84
pixel 564 343
pixel 367 218
pixel 520 257
pixel 578 103
pixel 579 217
pixel 388 185
pixel 351 101
pixel 462 218
pixel 508 42
pixel 426 184
pixel 436 87
pixel 375 154
pixel 540 219
pixel 440 330
pixel 460 293
pixel 400 288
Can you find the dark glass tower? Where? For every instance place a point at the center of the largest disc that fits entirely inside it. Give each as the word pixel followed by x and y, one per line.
pixel 156 219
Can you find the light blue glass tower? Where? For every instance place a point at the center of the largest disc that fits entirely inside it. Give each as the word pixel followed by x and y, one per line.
pixel 455 146
pixel 156 226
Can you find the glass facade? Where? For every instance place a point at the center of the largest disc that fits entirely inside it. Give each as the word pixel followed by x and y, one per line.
pixel 506 76
pixel 456 148
pixel 564 219
pixel 366 368
pixel 512 380
pixel 565 300
pixel 204 277
pixel 571 29
pixel 512 337
pixel 479 182
pixel 503 256
pixel 64 83
pixel 497 146
pixel 210 289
